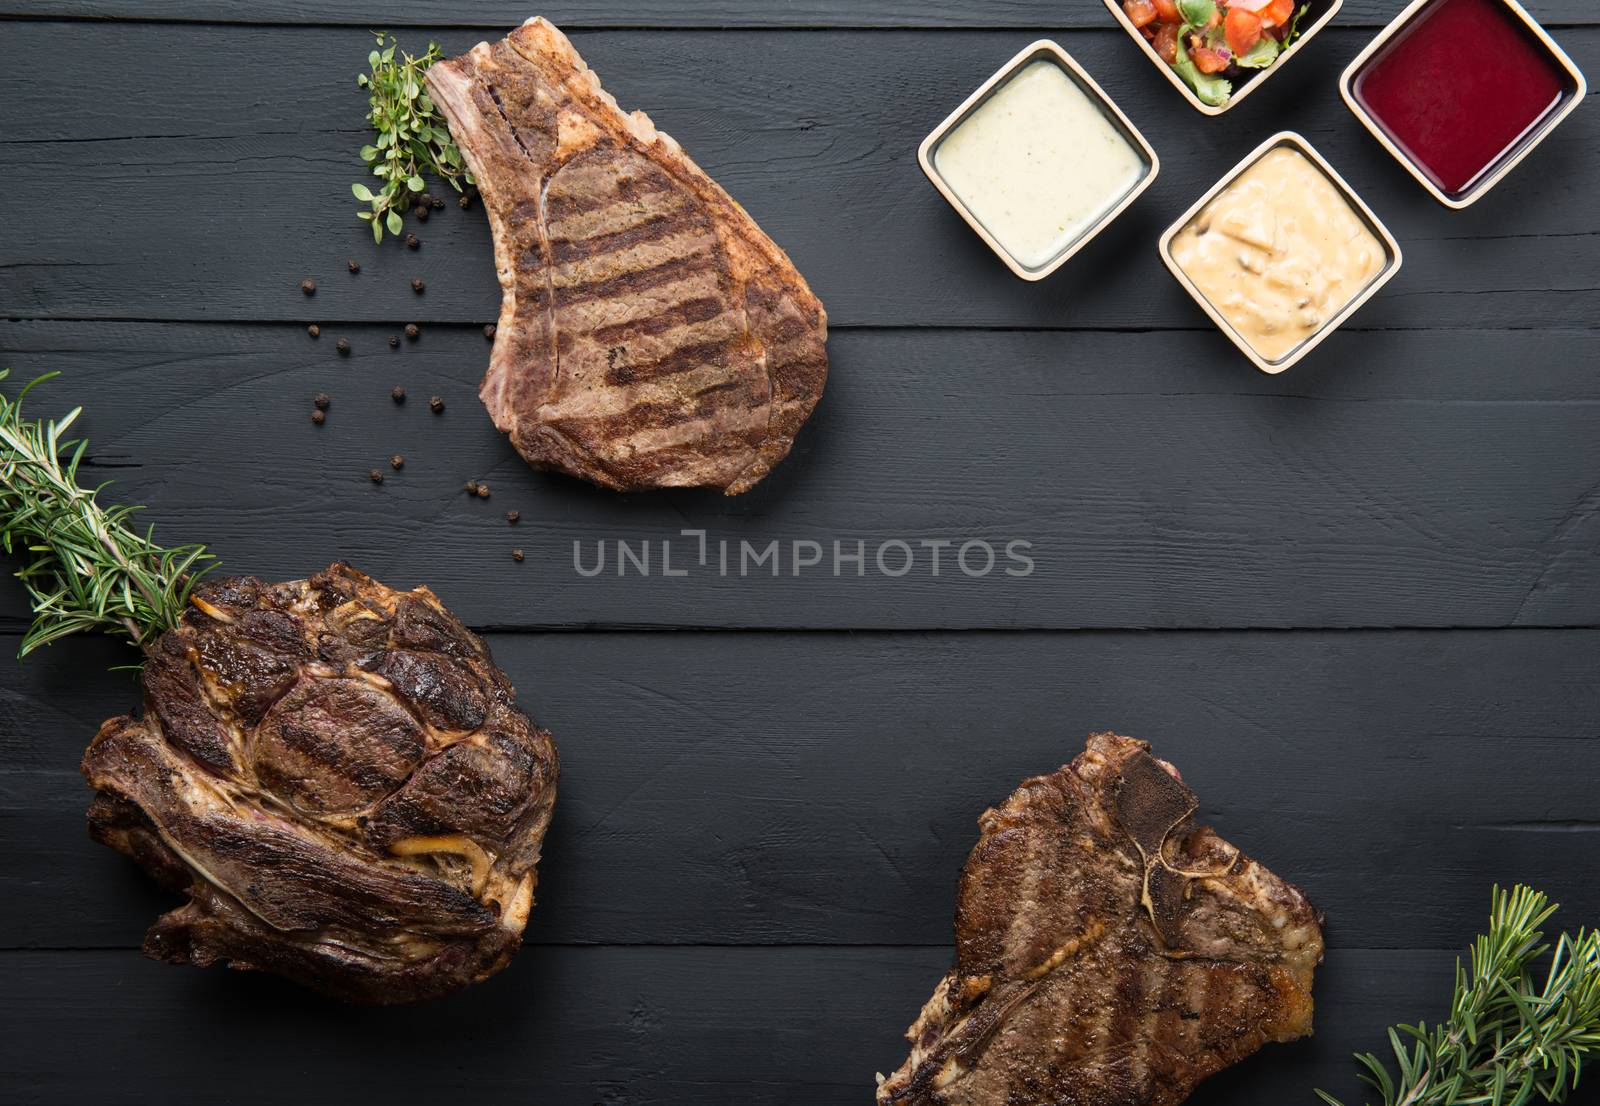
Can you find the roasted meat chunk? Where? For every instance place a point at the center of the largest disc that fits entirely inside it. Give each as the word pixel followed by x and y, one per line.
pixel 337 777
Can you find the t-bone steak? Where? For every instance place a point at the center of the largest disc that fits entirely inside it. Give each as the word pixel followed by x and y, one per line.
pixel 1109 951
pixel 336 775
pixel 650 334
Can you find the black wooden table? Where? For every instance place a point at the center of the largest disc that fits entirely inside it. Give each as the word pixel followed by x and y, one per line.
pixel 1359 604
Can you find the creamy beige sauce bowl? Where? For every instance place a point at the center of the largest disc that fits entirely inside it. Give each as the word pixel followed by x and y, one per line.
pixel 1280 252
pixel 1038 160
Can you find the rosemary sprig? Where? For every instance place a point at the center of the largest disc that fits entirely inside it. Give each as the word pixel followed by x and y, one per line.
pixel 91 570
pixel 411 136
pixel 1510 1039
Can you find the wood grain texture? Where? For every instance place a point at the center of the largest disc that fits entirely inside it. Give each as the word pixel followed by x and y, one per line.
pixel 824 788
pixel 495 14
pixel 580 1027
pixel 1397 478
pixel 230 181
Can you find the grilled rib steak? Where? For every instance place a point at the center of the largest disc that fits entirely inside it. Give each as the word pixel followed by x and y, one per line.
pixel 337 777
pixel 650 334
pixel 1109 951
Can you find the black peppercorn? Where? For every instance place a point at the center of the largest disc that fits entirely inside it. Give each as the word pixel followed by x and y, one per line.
pixel 418 285
pixel 308 286
pixel 343 346
pixel 413 242
pixel 314 330
pixel 488 332
pixel 318 417
pixel 355 266
pixel 483 491
pixel 516 555
pixel 464 201
pixel 394 341
pixel 376 475
pixel 424 199
pixel 438 202
pixel 421 213
pixel 321 401
pixel 513 517
pixel 397 462
pixel 412 330
pixel 398 395
pixel 436 405
pixel 472 487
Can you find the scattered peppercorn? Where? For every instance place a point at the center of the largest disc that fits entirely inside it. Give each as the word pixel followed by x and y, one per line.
pixel 398 395
pixel 516 555
pixel 488 332
pixel 464 202
pixel 318 417
pixel 483 491
pixel 413 242
pixel 424 199
pixel 472 487
pixel 308 286
pixel 343 346
pixel 421 213
pixel 321 401
pixel 376 475
pixel 438 202
pixel 412 331
pixel 355 266
pixel 513 517
pixel 397 462
pixel 436 405
pixel 314 330
pixel 418 285
pixel 394 341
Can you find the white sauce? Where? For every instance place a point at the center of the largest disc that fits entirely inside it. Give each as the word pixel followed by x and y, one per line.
pixel 1038 163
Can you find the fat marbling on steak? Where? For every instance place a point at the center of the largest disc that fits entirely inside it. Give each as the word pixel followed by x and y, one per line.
pixel 1109 951
pixel 338 778
pixel 650 334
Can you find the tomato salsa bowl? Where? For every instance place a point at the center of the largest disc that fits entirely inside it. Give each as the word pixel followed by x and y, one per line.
pixel 1217 52
pixel 1460 91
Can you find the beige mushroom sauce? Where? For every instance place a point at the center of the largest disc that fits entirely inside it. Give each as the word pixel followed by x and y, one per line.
pixel 1279 252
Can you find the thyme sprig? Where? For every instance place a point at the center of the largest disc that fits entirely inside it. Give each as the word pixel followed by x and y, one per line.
pixel 411 136
pixel 1511 1038
pixel 90 569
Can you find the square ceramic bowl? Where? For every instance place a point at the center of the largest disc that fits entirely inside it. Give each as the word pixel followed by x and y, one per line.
pixel 1575 89
pixel 1363 212
pixel 1043 50
pixel 1321 13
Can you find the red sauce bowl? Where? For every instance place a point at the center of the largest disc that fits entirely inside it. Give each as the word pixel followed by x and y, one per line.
pixel 1460 91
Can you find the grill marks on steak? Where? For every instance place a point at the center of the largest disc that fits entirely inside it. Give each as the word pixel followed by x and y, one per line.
pixel 1109 951
pixel 337 776
pixel 650 334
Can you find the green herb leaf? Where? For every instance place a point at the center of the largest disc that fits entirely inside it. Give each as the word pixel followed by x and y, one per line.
pixel 411 137
pixel 1512 1036
pixel 1211 89
pixel 90 568
pixel 1261 55
pixel 1197 12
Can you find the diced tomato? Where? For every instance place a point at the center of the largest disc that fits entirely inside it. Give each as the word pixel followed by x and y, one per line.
pixel 1166 42
pixel 1278 13
pixel 1243 30
pixel 1167 11
pixel 1207 60
pixel 1140 11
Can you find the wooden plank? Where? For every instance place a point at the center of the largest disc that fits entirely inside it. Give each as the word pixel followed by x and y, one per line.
pixel 175 205
pixel 497 14
pixel 824 788
pixel 1398 478
pixel 644 1026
